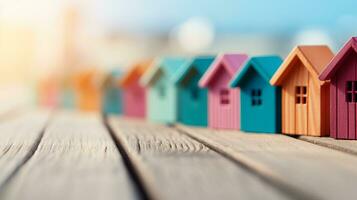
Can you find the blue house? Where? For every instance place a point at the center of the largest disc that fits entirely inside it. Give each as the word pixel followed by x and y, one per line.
pixel 192 100
pixel 260 101
pixel 162 92
pixel 112 96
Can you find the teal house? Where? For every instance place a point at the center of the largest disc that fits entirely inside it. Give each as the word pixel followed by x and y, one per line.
pixel 192 100
pixel 162 91
pixel 260 101
pixel 112 95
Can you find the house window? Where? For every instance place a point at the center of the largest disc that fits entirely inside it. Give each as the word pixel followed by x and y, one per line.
pixel 351 91
pixel 256 96
pixel 194 93
pixel 224 96
pixel 161 90
pixel 300 94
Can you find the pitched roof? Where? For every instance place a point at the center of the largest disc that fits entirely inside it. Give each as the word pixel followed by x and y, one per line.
pixel 333 66
pixel 314 58
pixel 264 65
pixel 231 62
pixel 167 66
pixel 135 73
pixel 199 63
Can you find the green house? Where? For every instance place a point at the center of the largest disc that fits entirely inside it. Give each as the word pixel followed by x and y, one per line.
pixel 192 100
pixel 260 102
pixel 162 92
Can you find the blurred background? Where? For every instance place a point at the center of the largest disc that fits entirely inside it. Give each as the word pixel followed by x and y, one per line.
pixel 48 39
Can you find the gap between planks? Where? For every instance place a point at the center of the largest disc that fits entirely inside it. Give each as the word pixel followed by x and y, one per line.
pixel 256 168
pixel 318 171
pixel 345 146
pixel 18 160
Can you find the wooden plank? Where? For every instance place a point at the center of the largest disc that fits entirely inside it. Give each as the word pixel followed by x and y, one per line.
pixel 347 146
pixel 76 159
pixel 19 135
pixel 319 172
pixel 177 167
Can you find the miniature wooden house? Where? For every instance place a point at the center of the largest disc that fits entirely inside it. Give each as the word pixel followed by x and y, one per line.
pixel 192 100
pixel 260 101
pixel 162 90
pixel 134 95
pixel 342 73
pixel 305 99
pixel 223 101
pixel 87 90
pixel 112 97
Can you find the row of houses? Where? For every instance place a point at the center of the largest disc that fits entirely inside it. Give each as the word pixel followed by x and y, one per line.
pixel 312 92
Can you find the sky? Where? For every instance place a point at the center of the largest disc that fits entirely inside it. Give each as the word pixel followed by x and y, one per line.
pixel 231 16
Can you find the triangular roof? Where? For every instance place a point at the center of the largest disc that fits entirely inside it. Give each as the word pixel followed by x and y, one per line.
pixel 265 66
pixel 332 67
pixel 167 66
pixel 231 63
pixel 134 73
pixel 199 63
pixel 313 57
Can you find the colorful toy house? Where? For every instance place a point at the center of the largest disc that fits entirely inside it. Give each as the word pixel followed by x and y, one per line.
pixel 223 101
pixel 112 95
pixel 134 95
pixel 260 102
pixel 48 92
pixel 87 90
pixel 192 100
pixel 342 73
pixel 67 94
pixel 305 99
pixel 162 90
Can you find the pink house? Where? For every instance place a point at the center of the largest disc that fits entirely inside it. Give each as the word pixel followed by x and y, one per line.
pixel 342 74
pixel 134 95
pixel 223 101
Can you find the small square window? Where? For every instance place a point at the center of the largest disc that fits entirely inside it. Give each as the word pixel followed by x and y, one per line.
pixel 354 97
pixel 297 90
pixel 297 100
pixel 256 97
pixel 303 100
pixel 224 96
pixel 349 86
pixel 304 90
pixel 349 97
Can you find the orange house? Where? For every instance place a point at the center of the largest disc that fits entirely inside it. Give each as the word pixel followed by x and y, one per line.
pixel 305 99
pixel 87 90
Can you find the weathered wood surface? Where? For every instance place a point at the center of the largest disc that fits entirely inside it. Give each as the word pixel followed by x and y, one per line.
pixel 76 159
pixel 178 167
pixel 318 172
pixel 347 146
pixel 19 135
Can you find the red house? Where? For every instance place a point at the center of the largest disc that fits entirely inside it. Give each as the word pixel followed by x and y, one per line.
pixel 342 73
pixel 134 95
pixel 223 101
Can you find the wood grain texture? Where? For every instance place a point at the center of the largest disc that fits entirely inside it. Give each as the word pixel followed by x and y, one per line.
pixel 76 159
pixel 347 146
pixel 18 136
pixel 178 167
pixel 319 172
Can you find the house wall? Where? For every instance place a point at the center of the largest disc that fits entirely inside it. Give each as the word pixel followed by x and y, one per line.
pixel 134 100
pixel 302 119
pixel 260 118
pixel 112 103
pixel 162 108
pixel 192 108
pixel 343 113
pixel 223 116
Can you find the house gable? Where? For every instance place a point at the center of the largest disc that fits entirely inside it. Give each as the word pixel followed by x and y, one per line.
pixel 231 63
pixel 313 58
pixel 265 66
pixel 349 48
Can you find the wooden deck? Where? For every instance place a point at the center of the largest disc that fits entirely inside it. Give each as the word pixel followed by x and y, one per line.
pixel 70 155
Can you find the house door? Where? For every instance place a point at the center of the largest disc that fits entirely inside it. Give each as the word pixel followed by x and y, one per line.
pixel 301 90
pixel 301 109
